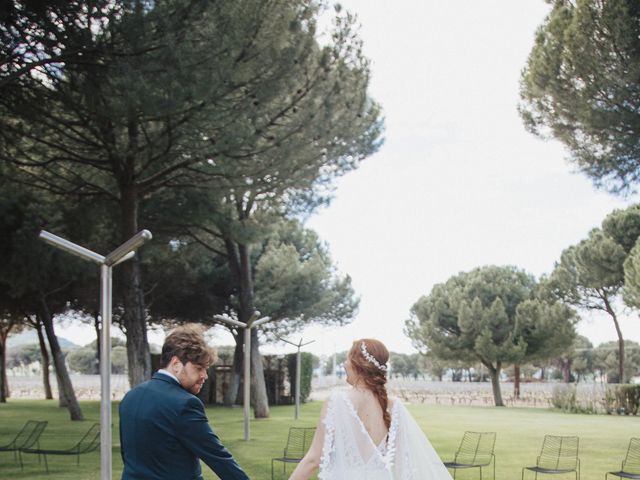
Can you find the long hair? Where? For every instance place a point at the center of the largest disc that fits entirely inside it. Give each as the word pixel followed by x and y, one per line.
pixel 373 377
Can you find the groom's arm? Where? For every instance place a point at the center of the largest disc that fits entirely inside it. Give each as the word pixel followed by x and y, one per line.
pixel 196 435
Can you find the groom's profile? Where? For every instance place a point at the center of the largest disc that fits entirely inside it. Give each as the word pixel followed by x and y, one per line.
pixel 164 430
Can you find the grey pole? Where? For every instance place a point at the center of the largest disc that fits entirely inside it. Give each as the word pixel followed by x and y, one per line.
pixel 122 253
pixel 298 368
pixel 105 372
pixel 247 380
pixel 246 390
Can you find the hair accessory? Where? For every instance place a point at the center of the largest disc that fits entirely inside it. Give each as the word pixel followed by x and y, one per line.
pixel 370 358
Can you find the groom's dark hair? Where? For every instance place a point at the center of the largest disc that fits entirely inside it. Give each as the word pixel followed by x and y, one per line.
pixel 188 344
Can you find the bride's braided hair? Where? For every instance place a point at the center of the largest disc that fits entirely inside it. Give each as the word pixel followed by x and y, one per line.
pixel 369 371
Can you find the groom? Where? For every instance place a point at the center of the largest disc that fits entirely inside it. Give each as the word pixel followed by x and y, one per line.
pixel 163 427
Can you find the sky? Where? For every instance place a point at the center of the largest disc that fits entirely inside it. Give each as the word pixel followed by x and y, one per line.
pixel 458 183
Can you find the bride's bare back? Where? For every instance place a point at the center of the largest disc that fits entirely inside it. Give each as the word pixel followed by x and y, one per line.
pixel 353 441
pixel 369 411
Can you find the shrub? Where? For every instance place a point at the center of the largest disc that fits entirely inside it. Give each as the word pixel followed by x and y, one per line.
pixel 305 374
pixel 627 399
pixel 564 397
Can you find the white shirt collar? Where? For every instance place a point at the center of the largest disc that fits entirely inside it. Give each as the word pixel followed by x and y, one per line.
pixel 169 374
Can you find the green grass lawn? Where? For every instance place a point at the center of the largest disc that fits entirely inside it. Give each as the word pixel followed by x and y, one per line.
pixel 603 439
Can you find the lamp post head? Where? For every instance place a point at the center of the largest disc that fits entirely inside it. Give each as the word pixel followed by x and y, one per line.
pixel 70 247
pixel 230 321
pixel 259 322
pixel 127 247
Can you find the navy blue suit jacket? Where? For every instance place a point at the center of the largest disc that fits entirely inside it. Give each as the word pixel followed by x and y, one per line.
pixel 164 431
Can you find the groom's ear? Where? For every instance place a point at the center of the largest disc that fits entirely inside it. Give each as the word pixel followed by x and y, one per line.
pixel 174 362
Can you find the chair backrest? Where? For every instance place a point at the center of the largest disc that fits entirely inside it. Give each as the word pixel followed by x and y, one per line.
pixel 476 448
pixel 30 434
pixel 298 442
pixel 91 440
pixel 559 453
pixel 23 434
pixel 631 463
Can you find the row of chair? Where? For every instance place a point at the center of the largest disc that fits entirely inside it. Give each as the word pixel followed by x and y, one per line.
pixel 559 454
pixel 28 441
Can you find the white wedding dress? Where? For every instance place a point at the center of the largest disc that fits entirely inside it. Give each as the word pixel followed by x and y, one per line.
pixel 349 453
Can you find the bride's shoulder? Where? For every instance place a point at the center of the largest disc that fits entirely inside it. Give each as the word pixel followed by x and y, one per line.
pixel 339 393
pixel 334 396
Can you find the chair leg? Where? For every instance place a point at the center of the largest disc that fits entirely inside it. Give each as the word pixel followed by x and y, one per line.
pixel 20 457
pixel 46 464
pixel 272 470
pixel 480 473
pixel 494 468
pixel 522 477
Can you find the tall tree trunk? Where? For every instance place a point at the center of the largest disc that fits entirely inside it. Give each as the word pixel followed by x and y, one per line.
pixel 259 397
pixel 135 323
pixel 3 367
pixel 516 381
pixel 64 381
pixel 494 373
pixel 44 354
pixel 63 402
pixel 231 395
pixel 614 317
pixel 566 369
pixel 239 256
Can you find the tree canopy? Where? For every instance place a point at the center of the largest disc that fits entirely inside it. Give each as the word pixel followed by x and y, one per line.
pixel 581 84
pixel 209 121
pixel 590 276
pixel 491 315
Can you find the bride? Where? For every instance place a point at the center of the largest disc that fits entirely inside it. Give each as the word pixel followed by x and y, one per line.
pixel 363 435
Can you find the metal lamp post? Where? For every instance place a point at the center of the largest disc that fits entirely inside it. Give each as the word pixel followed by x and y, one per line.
pixel 122 253
pixel 298 368
pixel 252 323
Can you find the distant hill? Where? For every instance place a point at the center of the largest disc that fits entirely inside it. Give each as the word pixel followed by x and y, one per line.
pixel 30 336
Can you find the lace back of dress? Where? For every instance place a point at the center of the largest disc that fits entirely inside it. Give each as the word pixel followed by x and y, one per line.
pixel 349 448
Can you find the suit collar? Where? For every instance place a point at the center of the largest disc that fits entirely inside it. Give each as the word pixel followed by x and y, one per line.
pixel 165 378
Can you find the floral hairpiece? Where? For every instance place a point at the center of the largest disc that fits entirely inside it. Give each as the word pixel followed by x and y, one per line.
pixel 370 358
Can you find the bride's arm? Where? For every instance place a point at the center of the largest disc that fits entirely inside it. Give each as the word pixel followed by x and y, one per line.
pixel 311 460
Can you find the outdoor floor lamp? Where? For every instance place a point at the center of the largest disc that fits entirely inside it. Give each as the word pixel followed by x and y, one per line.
pixel 252 323
pixel 122 253
pixel 298 345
